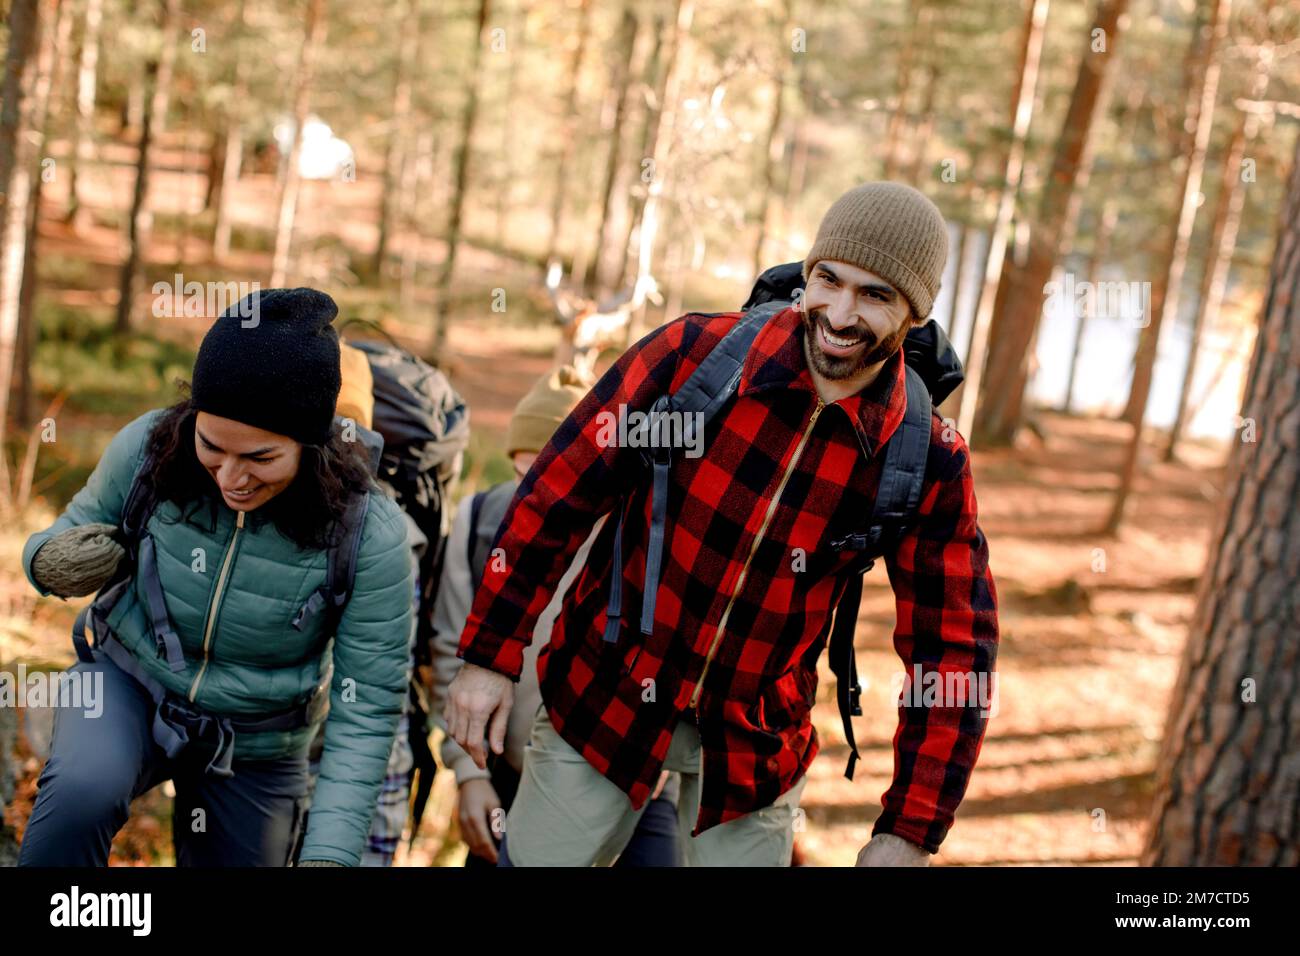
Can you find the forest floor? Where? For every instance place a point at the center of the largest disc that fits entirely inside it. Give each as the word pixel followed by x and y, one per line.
pixel 1092 630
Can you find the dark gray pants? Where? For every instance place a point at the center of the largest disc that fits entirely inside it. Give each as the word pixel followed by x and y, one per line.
pixel 99 764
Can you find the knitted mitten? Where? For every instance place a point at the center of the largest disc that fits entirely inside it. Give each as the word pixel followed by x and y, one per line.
pixel 78 561
pixel 319 863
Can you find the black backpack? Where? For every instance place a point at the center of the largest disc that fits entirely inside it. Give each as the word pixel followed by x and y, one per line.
pixel 932 372
pixel 424 424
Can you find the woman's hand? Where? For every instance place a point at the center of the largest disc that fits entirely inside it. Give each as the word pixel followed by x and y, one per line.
pixel 478 802
pixel 78 561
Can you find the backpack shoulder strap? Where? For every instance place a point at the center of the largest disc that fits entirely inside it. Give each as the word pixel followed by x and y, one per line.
pixel 487 510
pixel 710 387
pixel 715 379
pixel 897 499
pixel 475 509
pixel 906 453
pixel 340 567
pixel 139 502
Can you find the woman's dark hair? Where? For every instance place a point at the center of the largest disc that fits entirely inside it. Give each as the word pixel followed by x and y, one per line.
pixel 307 512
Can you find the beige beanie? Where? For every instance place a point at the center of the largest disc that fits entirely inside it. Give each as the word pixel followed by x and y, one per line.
pixel 546 405
pixel 889 229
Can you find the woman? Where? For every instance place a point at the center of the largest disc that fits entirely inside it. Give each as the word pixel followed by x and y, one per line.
pixel 215 660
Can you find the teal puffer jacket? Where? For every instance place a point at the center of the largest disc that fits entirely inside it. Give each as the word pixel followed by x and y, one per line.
pixel 241 583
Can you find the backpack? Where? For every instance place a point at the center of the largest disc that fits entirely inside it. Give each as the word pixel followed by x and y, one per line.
pixel 932 371
pixel 424 424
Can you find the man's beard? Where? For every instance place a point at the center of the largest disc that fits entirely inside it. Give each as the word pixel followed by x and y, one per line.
pixel 834 367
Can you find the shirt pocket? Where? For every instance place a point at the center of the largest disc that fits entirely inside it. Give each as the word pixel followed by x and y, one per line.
pixel 786 702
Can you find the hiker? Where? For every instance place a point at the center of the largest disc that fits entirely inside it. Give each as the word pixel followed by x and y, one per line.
pixel 230 536
pixel 485 794
pixel 691 638
pixel 425 427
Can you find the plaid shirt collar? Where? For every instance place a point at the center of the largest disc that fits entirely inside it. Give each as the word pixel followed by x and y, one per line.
pixel 776 360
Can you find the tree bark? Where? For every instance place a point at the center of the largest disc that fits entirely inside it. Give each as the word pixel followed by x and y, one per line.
pixel 224 173
pixel 46 89
pixel 1108 218
pixel 773 146
pixel 312 38
pixel 621 84
pixel 902 86
pixel 1164 294
pixel 1227 792
pixel 1018 308
pixel 656 76
pixel 397 144
pixel 1223 240
pixel 1022 107
pixel 461 178
pixel 83 152
pixel 648 228
pixel 517 41
pixel 568 131
pixel 18 152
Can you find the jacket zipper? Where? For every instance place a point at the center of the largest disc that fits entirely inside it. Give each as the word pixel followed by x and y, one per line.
pixel 216 604
pixel 744 570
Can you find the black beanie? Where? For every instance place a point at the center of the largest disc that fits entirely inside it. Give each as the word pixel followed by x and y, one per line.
pixel 272 361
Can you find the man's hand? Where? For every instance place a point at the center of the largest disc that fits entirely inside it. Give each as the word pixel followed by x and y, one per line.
pixel 476 696
pixel 885 849
pixel 478 801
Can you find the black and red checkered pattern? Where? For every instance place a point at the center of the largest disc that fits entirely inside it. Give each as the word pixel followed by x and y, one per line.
pixel 617 703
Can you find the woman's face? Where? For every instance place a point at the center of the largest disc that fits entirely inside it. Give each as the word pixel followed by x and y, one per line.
pixel 250 465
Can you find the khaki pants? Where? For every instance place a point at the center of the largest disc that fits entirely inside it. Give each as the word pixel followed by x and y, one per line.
pixel 567 813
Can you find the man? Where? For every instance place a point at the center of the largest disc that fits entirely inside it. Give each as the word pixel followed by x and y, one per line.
pixel 485 795
pixel 722 687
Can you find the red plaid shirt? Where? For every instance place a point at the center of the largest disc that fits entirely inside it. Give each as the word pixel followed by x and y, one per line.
pixel 748 532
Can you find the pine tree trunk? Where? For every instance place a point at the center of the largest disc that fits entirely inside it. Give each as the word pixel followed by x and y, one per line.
pixel 464 151
pixel 1100 247
pixel 656 77
pixel 902 86
pixel 648 228
pixel 1227 791
pixel 83 152
pixel 137 218
pixel 1019 307
pixel 621 85
pixel 1223 240
pixel 227 153
pixel 1022 107
pixel 396 146
pixel 48 79
pixel 312 38
pixel 773 147
pixel 1165 292
pixel 922 137
pixel 18 154
pixel 517 41
pixel 568 131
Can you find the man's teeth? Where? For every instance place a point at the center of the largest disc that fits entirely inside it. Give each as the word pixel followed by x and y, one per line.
pixel 838 342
